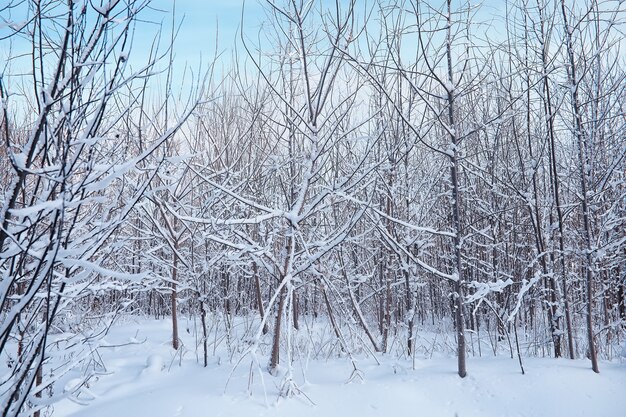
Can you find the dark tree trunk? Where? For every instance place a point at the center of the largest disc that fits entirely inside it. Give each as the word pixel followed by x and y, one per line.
pixel 259 298
pixel 174 303
pixel 275 358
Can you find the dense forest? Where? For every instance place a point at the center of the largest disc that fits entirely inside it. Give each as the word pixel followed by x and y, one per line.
pixel 381 169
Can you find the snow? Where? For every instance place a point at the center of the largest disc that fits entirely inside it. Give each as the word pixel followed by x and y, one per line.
pixel 146 377
pixel 104 9
pixel 35 209
pixel 15 26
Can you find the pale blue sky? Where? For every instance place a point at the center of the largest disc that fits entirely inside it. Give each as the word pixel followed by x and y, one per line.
pixel 204 26
pixel 202 22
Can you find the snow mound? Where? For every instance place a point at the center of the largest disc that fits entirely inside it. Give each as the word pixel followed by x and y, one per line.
pixel 154 365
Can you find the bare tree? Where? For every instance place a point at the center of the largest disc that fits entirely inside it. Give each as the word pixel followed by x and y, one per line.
pixel 70 184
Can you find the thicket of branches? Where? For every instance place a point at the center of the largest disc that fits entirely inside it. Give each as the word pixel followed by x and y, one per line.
pixel 384 171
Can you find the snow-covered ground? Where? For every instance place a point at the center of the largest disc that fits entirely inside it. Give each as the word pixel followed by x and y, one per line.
pixel 146 378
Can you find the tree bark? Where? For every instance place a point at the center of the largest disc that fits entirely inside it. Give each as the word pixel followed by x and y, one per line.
pixel 259 297
pixel 275 358
pixel 175 341
pixel 583 167
pixel 456 208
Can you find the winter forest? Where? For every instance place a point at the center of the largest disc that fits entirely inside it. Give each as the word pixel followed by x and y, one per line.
pixel 364 208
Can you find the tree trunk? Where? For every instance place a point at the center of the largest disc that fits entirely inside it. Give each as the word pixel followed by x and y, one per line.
pixel 294 302
pixel 583 168
pixel 204 335
pixel 456 209
pixel 259 298
pixel 409 311
pixel 173 301
pixel 275 358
